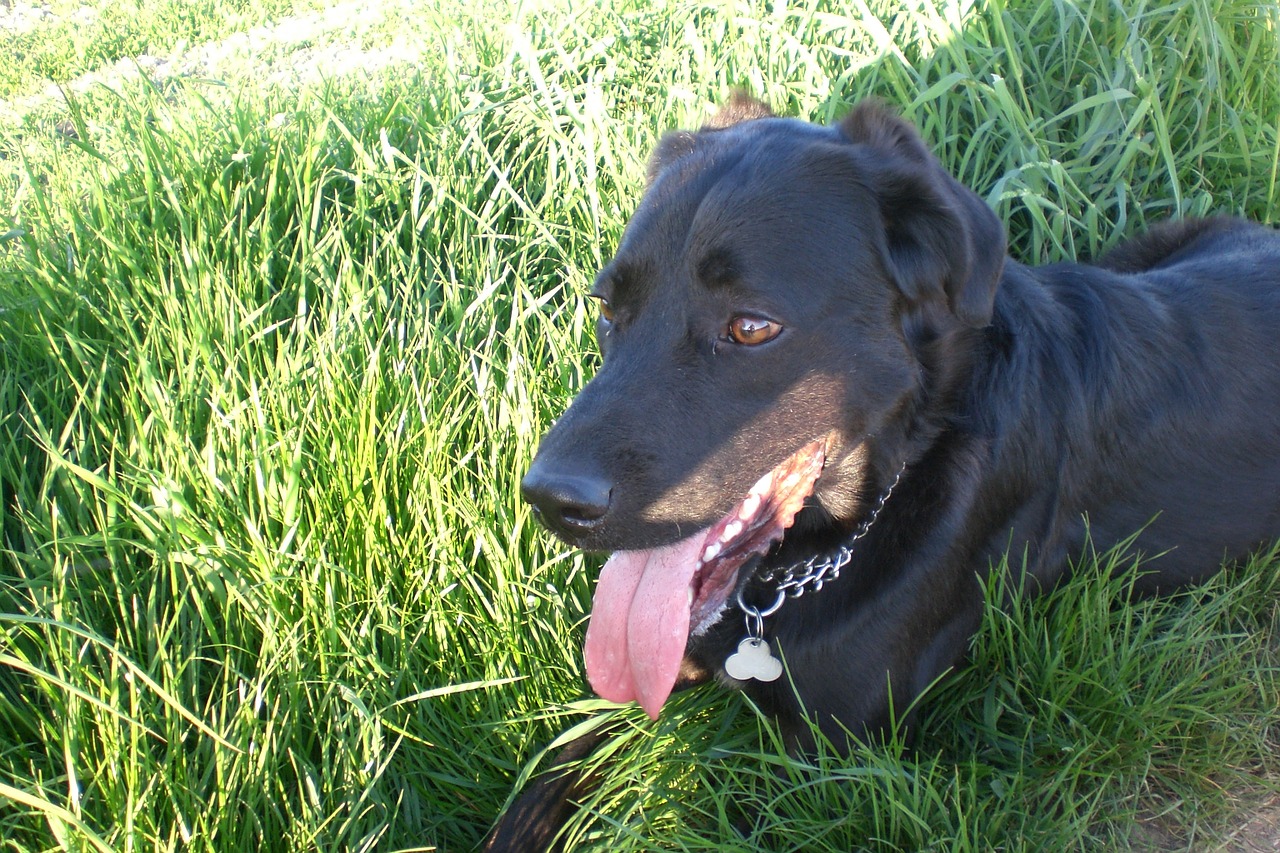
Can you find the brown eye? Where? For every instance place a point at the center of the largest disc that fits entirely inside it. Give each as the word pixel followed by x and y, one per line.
pixel 606 311
pixel 753 331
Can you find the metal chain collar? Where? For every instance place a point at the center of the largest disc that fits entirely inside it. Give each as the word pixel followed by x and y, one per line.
pixel 811 573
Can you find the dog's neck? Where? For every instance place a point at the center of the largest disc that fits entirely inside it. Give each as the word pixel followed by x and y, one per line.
pixel 809 574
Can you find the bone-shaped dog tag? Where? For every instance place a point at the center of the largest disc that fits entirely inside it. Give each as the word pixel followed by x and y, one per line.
pixel 753 659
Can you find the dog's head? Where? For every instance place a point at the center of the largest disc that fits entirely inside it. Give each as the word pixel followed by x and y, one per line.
pixel 763 325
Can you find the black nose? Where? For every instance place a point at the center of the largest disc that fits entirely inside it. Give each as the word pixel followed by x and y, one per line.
pixel 571 503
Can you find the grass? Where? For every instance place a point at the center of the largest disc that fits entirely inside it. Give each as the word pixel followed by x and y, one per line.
pixel 273 359
pixel 75 38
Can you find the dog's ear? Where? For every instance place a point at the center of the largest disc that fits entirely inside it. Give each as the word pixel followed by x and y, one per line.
pixel 940 238
pixel 672 146
pixel 739 108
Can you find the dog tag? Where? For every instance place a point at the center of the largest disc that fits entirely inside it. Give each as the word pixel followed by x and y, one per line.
pixel 753 659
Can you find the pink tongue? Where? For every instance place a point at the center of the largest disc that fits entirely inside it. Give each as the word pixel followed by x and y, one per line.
pixel 640 623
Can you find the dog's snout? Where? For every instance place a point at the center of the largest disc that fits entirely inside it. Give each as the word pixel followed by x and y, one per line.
pixel 570 503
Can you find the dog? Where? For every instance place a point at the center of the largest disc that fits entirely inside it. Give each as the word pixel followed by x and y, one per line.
pixel 830 404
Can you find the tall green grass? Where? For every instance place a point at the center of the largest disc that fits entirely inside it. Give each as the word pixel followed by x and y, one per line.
pixel 272 363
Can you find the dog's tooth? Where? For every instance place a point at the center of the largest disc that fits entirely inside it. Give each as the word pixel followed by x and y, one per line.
pixel 790 481
pixel 731 531
pixel 763 486
pixel 710 553
pixel 748 509
pixel 690 591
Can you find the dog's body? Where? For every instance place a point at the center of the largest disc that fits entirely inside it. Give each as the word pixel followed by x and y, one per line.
pixel 795 298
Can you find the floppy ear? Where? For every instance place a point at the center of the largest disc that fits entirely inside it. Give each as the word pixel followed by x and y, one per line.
pixel 673 146
pixel 739 108
pixel 940 238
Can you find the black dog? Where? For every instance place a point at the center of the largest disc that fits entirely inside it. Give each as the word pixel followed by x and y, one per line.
pixel 815 349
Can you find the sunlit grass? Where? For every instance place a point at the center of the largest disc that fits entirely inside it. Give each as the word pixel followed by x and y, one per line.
pixel 57 41
pixel 272 363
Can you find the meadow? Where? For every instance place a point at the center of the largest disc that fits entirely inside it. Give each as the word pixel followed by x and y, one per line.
pixel 285 307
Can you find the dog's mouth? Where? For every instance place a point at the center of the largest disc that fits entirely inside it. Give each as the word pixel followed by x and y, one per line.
pixel 649 602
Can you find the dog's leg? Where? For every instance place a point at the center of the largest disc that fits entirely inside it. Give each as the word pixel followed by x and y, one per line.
pixel 541 811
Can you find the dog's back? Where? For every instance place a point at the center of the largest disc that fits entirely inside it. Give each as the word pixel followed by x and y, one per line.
pixel 1163 243
pixel 1157 404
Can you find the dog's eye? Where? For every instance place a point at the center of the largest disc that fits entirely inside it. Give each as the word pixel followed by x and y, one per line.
pixel 753 331
pixel 606 311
